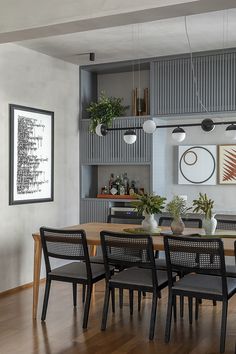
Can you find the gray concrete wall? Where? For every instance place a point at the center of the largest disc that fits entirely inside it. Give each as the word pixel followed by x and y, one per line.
pixel 36 80
pixel 166 165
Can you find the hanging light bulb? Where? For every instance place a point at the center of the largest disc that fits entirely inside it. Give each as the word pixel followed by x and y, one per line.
pixel 178 134
pixel 101 130
pixel 130 136
pixel 230 131
pixel 149 126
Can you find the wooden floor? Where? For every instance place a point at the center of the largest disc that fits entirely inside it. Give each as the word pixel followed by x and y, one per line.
pixel 62 332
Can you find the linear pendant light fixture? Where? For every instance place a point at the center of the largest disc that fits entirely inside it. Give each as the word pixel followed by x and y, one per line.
pixel 178 133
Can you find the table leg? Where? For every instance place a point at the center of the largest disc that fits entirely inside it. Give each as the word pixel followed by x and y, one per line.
pixel 36 280
pixel 93 250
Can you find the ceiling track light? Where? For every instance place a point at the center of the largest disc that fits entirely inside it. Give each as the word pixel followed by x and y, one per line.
pixel 178 133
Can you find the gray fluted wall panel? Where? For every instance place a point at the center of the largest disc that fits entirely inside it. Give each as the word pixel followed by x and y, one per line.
pixel 112 148
pixel 175 90
pixel 92 210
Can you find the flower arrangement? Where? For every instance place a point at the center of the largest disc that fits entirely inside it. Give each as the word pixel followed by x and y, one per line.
pixel 177 207
pixel 149 203
pixel 203 205
pixel 105 110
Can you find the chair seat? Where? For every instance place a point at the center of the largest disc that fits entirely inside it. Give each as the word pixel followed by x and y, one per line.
pixel 231 270
pixel 96 259
pixel 138 277
pixel 77 270
pixel 205 284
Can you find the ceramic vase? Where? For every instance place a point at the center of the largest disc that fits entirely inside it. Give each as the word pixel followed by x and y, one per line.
pixel 209 225
pixel 149 223
pixel 177 226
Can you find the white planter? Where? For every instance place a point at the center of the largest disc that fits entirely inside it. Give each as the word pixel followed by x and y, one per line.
pixel 209 225
pixel 149 223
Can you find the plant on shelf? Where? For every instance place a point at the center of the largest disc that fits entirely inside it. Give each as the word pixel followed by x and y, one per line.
pixel 176 208
pixel 205 206
pixel 105 110
pixel 149 204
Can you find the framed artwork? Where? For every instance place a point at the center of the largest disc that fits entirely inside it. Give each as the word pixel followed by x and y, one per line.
pixel 227 164
pixel 197 164
pixel 31 155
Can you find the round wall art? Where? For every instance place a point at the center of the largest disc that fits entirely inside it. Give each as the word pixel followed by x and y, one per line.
pixel 197 164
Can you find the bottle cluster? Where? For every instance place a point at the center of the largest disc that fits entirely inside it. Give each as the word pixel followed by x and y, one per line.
pixel 121 185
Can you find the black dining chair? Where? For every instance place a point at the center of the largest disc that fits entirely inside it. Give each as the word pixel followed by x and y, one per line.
pixel 203 262
pixel 135 254
pixel 226 224
pixel 69 245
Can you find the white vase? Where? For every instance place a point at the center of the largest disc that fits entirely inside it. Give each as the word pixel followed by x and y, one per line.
pixel 177 226
pixel 209 225
pixel 149 223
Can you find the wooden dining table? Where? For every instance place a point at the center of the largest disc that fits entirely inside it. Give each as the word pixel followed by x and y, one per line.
pixel 93 238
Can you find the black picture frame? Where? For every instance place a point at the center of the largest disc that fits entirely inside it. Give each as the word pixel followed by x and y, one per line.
pixel 31 177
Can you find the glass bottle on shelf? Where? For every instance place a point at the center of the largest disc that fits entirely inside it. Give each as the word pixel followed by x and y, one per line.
pixel 126 183
pixel 132 189
pixel 111 181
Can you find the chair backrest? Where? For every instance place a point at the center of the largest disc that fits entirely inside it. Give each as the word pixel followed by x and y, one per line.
pixel 125 219
pixel 189 222
pixel 64 244
pixel 195 255
pixel 225 224
pixel 128 251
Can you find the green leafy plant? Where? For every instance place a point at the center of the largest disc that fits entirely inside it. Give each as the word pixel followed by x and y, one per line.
pixel 149 203
pixel 177 207
pixel 203 205
pixel 105 110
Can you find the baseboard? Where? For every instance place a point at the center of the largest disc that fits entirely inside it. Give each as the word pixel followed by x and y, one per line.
pixel 19 288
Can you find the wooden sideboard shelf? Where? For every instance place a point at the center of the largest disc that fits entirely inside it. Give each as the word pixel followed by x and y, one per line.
pixel 111 196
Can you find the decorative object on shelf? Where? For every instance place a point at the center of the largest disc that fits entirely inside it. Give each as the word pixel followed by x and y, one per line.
pixel 140 106
pixel 176 208
pixel 178 133
pixel 31 155
pixel 205 205
pixel 104 111
pixel 227 164
pixel 197 164
pixel 148 205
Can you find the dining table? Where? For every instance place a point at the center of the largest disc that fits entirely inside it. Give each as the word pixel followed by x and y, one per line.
pixel 93 230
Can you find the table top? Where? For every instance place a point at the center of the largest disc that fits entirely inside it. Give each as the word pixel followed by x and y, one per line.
pixel 93 234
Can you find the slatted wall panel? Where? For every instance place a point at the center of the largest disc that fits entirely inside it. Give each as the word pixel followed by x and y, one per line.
pixel 92 210
pixel 175 91
pixel 112 148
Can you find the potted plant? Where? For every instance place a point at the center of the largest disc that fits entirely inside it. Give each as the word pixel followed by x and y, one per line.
pixel 104 111
pixel 176 208
pixel 205 205
pixel 148 205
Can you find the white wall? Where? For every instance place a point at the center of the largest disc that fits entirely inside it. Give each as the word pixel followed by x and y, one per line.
pixel 36 80
pixel 166 166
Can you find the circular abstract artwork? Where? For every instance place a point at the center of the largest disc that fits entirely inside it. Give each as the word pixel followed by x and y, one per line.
pixel 197 164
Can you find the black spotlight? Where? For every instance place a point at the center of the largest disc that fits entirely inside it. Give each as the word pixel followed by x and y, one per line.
pixel 207 125
pixel 92 56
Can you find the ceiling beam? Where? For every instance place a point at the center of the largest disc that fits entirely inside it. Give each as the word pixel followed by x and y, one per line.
pixel 121 19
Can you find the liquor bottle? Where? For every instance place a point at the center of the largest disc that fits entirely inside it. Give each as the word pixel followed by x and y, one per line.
pixel 111 181
pixel 126 183
pixel 132 189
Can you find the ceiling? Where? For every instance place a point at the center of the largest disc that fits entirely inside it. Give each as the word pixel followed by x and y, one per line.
pixel 208 31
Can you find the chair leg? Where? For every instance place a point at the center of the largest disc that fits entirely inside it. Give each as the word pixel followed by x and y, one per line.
pixel 87 305
pixel 139 300
pixel 105 308
pixel 214 302
pixel 113 300
pixel 196 308
pixel 83 292
pixel 121 297
pixel 153 315
pixel 190 309
pixel 131 301
pixel 181 299
pixel 74 285
pixel 168 318
pixel 223 325
pixel 200 301
pixel 46 297
pixel 174 308
pixel 144 293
